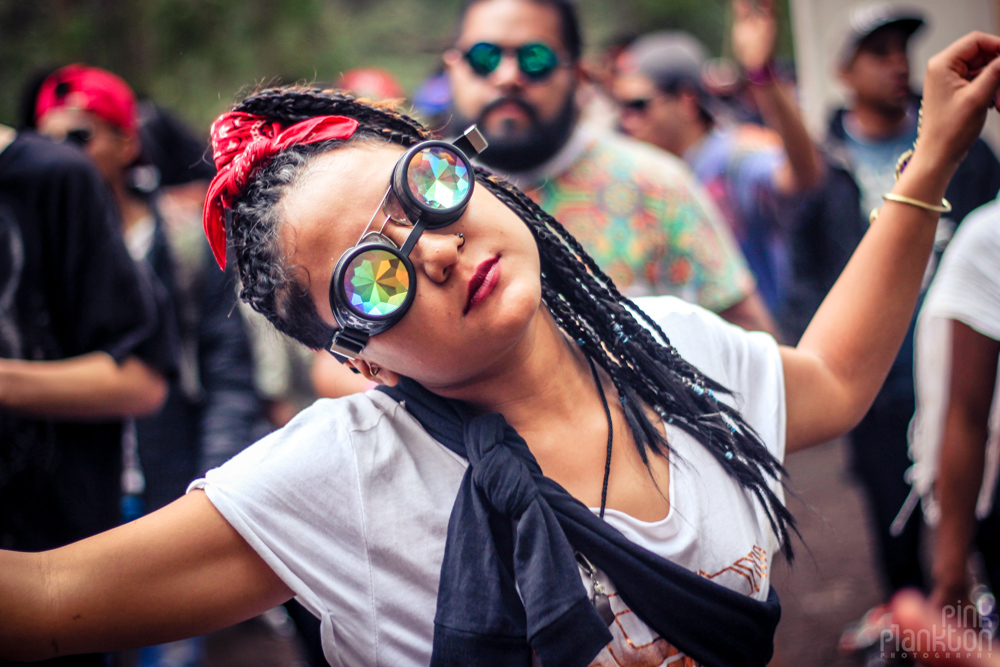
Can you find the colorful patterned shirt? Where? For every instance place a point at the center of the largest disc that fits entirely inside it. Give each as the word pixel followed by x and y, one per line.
pixel 737 168
pixel 638 211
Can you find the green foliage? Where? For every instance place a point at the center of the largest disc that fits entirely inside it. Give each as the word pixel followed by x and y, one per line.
pixel 708 20
pixel 196 56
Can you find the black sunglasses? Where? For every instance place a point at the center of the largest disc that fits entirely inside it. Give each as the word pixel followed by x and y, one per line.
pixel 536 60
pixel 638 105
pixel 373 284
pixel 81 136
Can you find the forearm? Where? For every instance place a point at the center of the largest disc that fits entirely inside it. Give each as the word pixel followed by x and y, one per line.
pixel 846 351
pixel 963 455
pixel 957 487
pixel 24 591
pixel 780 112
pixel 856 333
pixel 178 572
pixel 90 386
pixel 754 35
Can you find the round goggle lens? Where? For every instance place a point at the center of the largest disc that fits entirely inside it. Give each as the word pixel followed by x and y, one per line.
pixel 483 58
pixel 438 178
pixel 376 283
pixel 536 60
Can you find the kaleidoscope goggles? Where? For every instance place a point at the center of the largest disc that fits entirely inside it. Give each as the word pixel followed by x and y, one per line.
pixel 536 60
pixel 373 284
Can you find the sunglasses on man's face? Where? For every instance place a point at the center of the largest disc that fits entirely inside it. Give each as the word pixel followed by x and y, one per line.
pixel 537 61
pixel 81 136
pixel 637 105
pixel 373 284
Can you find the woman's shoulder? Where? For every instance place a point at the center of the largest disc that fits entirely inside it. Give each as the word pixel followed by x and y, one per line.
pixel 368 433
pixel 739 359
pixel 319 436
pixel 667 307
pixel 690 327
pixel 345 415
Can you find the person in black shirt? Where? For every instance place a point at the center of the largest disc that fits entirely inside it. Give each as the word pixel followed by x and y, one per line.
pixel 73 313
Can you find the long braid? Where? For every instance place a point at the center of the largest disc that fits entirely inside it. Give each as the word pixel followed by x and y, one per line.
pixel 270 286
pixel 615 333
pixel 609 329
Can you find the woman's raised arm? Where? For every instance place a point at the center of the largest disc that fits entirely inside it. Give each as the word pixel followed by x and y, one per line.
pixel 179 572
pixel 833 375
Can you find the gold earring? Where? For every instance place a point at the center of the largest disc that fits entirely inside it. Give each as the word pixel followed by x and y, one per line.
pixel 373 369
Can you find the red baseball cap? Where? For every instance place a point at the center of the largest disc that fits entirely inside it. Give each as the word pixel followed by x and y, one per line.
pixel 89 89
pixel 370 82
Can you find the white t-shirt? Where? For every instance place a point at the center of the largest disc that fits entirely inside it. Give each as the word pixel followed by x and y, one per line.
pixel 966 289
pixel 349 504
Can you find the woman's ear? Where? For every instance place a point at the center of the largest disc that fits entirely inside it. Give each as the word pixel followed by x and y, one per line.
pixel 374 372
pixel 451 58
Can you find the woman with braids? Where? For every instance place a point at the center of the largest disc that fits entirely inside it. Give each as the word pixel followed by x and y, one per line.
pixel 549 473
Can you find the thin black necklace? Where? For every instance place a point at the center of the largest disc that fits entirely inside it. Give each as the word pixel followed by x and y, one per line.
pixel 611 437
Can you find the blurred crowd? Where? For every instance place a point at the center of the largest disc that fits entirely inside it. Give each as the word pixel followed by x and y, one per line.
pixel 129 367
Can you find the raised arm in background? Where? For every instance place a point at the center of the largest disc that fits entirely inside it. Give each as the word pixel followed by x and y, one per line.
pixel 755 31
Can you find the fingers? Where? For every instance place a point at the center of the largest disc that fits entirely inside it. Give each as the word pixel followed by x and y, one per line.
pixel 968 48
pixel 960 85
pixel 980 60
pixel 986 83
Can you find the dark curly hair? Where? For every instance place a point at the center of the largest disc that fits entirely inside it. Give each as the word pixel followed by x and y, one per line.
pixel 610 330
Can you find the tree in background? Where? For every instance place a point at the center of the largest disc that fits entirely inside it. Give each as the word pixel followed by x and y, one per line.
pixel 195 56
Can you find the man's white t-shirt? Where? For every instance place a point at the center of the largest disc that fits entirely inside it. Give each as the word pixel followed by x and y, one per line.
pixel 349 505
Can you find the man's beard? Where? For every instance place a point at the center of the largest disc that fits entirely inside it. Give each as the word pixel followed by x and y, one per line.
pixel 516 152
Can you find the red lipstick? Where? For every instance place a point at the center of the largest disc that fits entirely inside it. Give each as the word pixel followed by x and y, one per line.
pixel 482 282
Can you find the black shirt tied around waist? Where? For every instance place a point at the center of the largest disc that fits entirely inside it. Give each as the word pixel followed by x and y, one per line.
pixel 510 584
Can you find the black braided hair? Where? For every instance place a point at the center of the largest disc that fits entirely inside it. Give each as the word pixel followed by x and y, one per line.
pixel 269 285
pixel 611 330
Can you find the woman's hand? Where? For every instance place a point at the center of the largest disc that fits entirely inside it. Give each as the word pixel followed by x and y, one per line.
pixel 842 359
pixel 960 86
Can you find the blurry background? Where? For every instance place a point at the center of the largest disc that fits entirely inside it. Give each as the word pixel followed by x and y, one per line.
pixel 194 56
pixel 818 26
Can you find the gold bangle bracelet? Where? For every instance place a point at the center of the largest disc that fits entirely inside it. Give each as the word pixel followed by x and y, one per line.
pixel 945 206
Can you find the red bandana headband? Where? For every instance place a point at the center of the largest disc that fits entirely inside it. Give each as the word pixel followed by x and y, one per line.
pixel 242 143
